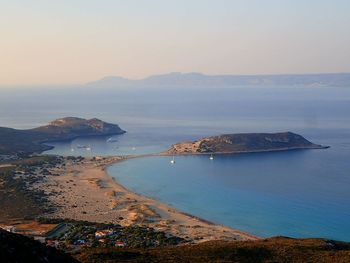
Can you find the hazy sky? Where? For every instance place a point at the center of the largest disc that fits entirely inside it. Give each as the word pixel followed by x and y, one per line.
pixel 76 41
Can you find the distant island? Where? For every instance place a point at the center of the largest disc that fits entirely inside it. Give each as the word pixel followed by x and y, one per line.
pixel 13 141
pixel 177 79
pixel 244 142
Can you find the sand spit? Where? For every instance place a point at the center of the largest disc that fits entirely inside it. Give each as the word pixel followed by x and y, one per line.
pixel 84 191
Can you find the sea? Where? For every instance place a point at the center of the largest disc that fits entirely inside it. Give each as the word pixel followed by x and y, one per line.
pixel 301 193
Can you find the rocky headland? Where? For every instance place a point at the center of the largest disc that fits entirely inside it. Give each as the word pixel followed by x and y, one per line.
pixel 244 143
pixel 14 141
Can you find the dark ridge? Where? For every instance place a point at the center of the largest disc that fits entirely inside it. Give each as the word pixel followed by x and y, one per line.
pixel 18 248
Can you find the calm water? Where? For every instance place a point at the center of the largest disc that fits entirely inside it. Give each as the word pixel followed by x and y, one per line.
pixel 299 193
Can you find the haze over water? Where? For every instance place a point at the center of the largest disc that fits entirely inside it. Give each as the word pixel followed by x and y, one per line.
pixel 297 193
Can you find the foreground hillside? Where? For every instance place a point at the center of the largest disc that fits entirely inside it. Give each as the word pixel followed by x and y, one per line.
pixel 277 249
pixel 18 248
pixel 244 142
pixel 14 141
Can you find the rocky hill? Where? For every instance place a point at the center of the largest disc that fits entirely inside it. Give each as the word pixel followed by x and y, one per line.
pixel 13 141
pixel 244 142
pixel 71 127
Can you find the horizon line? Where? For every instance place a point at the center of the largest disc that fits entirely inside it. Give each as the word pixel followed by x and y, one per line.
pixel 52 85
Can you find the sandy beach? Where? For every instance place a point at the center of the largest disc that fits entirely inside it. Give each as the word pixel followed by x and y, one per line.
pixel 85 191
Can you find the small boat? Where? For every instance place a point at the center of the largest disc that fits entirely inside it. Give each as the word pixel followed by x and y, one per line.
pixel 173 160
pixel 82 146
pixel 112 140
pixel 88 148
pixel 72 149
pixel 133 148
pixel 211 157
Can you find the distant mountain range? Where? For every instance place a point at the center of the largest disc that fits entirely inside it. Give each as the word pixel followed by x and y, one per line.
pixel 199 79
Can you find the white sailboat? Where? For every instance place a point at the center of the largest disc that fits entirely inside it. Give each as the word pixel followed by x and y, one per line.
pixel 81 146
pixel 111 139
pixel 211 157
pixel 173 160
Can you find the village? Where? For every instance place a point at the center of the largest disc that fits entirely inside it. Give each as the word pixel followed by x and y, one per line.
pixel 69 236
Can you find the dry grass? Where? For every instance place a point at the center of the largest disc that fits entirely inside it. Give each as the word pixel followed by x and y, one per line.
pixel 277 249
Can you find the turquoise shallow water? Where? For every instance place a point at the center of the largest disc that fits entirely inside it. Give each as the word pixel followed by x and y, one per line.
pixel 298 193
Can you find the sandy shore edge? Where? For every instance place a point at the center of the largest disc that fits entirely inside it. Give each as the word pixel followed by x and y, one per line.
pixel 85 191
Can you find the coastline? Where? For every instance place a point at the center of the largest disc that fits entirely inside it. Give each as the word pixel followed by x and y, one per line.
pixel 317 147
pixel 88 192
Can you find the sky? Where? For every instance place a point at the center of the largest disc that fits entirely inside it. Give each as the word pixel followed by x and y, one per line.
pixel 77 41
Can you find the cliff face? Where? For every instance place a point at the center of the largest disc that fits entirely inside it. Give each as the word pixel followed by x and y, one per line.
pixel 13 141
pixel 244 142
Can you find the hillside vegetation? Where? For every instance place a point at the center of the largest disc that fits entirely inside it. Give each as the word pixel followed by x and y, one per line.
pixel 278 249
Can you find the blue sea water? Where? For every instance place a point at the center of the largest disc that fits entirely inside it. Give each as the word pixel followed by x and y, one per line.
pixel 297 193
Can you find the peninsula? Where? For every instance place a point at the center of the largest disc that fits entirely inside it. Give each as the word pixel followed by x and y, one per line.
pixel 13 141
pixel 244 143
